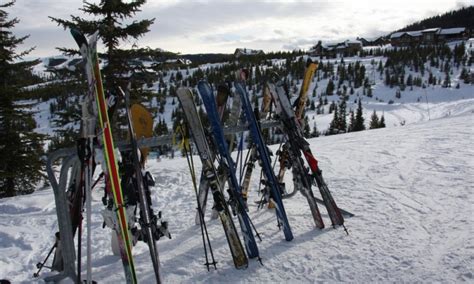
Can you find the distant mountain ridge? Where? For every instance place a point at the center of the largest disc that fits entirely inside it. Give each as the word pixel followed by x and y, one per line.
pixel 463 17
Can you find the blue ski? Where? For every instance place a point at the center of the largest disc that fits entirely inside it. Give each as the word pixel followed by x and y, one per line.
pixel 271 180
pixel 227 161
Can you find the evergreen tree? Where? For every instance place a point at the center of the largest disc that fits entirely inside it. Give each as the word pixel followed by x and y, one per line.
pixel 382 122
pixel 351 126
pixel 110 19
pixel 330 88
pixel 447 81
pixel 374 121
pixel 306 129
pixel 359 119
pixel 334 125
pixel 342 124
pixel 315 132
pixel 20 147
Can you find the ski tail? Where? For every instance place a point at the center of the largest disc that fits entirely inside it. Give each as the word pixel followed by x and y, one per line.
pixel 334 213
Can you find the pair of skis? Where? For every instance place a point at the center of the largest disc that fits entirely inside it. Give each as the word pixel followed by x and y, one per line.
pixel 297 147
pixel 96 93
pixel 210 174
pixel 223 93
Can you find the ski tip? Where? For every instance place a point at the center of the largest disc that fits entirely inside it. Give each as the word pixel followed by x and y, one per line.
pixel 204 87
pixel 78 37
pixel 223 93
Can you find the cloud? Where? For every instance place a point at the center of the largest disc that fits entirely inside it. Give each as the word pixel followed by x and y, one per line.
pixel 221 26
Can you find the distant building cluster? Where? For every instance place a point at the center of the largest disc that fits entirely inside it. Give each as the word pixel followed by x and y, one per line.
pixel 398 39
pixel 428 36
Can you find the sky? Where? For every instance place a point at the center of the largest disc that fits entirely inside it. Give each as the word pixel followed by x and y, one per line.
pixel 221 26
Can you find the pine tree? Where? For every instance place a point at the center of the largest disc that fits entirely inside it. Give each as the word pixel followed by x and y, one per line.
pixel 20 147
pixel 342 124
pixel 351 126
pixel 306 129
pixel 382 122
pixel 110 19
pixel 359 119
pixel 334 125
pixel 330 88
pixel 374 121
pixel 315 132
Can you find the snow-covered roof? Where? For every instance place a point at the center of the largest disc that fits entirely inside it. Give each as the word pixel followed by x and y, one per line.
pixel 397 35
pixel 415 33
pixel 451 31
pixel 432 30
pixel 371 39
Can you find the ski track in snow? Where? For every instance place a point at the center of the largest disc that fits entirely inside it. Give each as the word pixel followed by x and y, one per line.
pixel 410 188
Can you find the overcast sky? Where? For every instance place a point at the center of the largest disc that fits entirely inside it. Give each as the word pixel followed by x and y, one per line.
pixel 222 25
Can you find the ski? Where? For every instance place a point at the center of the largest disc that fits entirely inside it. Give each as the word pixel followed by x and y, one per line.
pixel 230 121
pixel 250 165
pixel 186 99
pixel 227 161
pixel 147 221
pixel 89 53
pixel 221 101
pixel 300 176
pixel 300 105
pixel 271 181
pixel 303 96
pixel 297 143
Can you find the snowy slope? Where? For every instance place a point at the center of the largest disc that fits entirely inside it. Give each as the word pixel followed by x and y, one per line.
pixel 410 188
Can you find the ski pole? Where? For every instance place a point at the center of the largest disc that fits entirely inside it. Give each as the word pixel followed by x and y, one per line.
pixel 40 265
pixel 204 233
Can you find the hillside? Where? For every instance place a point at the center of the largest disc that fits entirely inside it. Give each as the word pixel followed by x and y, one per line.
pixel 400 101
pixel 410 188
pixel 463 17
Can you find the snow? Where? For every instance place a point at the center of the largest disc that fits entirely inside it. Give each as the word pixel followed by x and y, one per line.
pixel 415 105
pixel 410 188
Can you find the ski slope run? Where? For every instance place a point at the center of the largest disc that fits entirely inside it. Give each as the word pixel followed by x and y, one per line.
pixel 410 188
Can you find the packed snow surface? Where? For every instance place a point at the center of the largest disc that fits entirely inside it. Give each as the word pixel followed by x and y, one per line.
pixel 409 187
